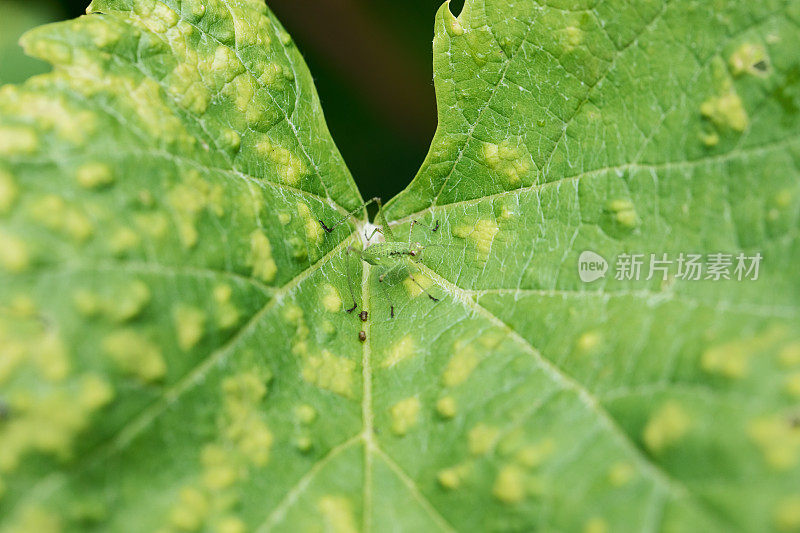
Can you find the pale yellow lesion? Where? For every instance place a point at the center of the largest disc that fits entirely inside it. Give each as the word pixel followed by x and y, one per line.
pixel 54 213
pixel 462 363
pixel 749 58
pixel 135 354
pixel 260 259
pixel 189 325
pixel 330 372
pixel 401 350
pixel 18 140
pixel 330 298
pixel 509 158
pixel 15 254
pixel 510 484
pixel 290 167
pixel 337 514
pixel 405 415
pixel 482 438
pixel 778 439
pixel 95 174
pixel 666 427
pixel 482 234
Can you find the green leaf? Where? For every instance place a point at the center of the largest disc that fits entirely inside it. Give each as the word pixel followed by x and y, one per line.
pixel 174 351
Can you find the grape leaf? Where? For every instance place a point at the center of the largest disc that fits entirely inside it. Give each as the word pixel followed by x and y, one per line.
pixel 174 352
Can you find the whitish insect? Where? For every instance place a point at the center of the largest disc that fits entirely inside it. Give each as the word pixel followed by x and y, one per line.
pixel 392 255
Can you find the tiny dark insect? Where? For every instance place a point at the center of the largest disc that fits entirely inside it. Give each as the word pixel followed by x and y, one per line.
pixel 363 315
pixel 362 336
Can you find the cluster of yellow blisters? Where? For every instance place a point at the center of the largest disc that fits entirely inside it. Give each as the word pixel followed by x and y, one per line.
pixel 515 478
pixel 322 369
pixel 623 212
pixel 46 418
pixel 290 167
pixel 190 197
pixel 49 113
pixel 725 109
pixel 732 359
pixel 509 158
pixel 304 415
pixel 245 442
pixel 260 258
pixel 482 234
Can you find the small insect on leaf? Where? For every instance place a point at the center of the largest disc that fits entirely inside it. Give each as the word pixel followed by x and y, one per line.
pixel 362 335
pixel 391 257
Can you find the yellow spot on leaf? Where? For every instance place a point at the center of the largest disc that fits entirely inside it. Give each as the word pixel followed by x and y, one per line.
pixel 482 438
pixel 446 407
pixel 668 425
pixel 787 514
pixel 399 351
pixel 405 415
pixel 624 212
pixel 260 259
pixel 14 254
pixel 509 158
pixel 17 140
pixel 311 225
pixel 415 289
pixel 290 167
pixel 244 427
pixel 789 355
pixel 596 525
pixel 337 514
pixel 451 478
pixel 94 175
pixel 135 354
pixel 482 234
pixel 226 312
pixel 305 413
pixel 509 487
pixel 331 300
pixel 534 455
pixel 53 213
pixel 621 473
pixel 330 372
pixel 726 111
pixel 191 511
pixel 461 364
pixel 189 325
pixel 749 58
pixel 778 439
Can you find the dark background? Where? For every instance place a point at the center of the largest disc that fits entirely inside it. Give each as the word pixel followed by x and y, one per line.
pixel 371 61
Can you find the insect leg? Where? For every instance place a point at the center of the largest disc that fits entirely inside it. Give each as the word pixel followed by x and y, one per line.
pixel 423 289
pixel 386 290
pixel 350 214
pixel 351 250
pixel 387 230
